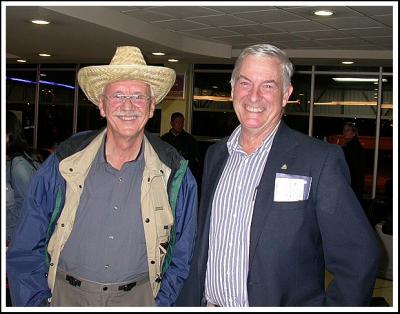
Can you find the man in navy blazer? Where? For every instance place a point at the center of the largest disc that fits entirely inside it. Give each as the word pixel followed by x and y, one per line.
pixel 268 232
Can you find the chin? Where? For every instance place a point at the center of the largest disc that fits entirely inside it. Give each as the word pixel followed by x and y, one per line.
pixel 253 124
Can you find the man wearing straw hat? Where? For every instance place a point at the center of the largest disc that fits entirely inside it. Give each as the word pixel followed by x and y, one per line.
pixel 110 217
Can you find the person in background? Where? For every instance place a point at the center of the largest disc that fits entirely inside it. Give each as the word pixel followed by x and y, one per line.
pixel 277 210
pixel 21 165
pixel 185 143
pixel 111 215
pixel 355 158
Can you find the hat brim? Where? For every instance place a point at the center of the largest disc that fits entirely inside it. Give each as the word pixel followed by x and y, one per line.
pixel 93 79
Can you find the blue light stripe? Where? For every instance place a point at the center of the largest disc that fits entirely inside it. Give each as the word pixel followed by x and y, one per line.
pixel 41 82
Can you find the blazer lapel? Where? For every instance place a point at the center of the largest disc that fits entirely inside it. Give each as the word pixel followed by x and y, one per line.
pixel 217 164
pixel 265 193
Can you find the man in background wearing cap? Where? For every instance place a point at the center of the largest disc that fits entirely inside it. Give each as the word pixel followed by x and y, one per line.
pixel 110 217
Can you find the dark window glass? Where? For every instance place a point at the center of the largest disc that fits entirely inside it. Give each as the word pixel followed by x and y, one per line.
pixel 212 84
pixel 299 101
pixel 297 122
pixel 302 67
pixel 56 100
pixel 347 68
pixel 154 123
pixel 213 123
pixel 58 66
pixel 20 98
pixel 89 117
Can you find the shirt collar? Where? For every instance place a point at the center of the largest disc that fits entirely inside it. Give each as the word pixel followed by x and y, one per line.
pixel 101 155
pixel 233 141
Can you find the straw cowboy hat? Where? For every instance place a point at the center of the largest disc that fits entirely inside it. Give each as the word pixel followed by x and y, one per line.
pixel 127 64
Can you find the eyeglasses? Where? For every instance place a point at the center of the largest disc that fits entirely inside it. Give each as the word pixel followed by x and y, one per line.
pixel 120 99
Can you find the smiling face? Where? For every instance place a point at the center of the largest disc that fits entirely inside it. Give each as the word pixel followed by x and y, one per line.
pixel 126 118
pixel 259 96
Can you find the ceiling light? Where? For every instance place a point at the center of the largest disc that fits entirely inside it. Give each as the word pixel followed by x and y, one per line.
pixel 40 22
pixel 44 55
pixel 356 79
pixel 347 62
pixel 323 13
pixel 158 53
pixel 21 60
pixel 173 60
pixel 43 74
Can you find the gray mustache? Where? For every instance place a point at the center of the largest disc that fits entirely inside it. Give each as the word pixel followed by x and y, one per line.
pixel 127 113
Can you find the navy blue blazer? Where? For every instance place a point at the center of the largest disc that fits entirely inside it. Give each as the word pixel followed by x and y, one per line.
pixel 293 243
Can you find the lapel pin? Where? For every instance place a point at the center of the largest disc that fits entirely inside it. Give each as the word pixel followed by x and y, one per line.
pixel 284 167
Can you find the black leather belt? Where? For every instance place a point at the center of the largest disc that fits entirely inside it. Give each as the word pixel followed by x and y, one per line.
pixel 76 282
pixel 73 281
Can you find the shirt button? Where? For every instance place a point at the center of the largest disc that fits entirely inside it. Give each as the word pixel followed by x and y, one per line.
pixel 147 220
pixel 111 237
pixel 115 207
pixel 105 288
pixel 120 179
pixel 106 266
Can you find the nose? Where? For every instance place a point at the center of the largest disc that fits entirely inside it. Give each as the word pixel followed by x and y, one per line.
pixel 128 103
pixel 254 94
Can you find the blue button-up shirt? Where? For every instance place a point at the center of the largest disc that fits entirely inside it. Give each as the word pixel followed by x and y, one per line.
pixel 107 243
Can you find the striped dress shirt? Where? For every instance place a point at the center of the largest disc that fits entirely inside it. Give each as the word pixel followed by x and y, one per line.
pixel 232 210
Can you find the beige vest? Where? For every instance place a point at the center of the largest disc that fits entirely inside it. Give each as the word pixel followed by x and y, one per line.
pixel 156 211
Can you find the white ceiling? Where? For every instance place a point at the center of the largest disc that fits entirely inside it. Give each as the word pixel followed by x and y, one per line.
pixel 201 34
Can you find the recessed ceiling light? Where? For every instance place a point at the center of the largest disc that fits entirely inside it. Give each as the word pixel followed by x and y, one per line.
pixel 44 55
pixel 158 53
pixel 357 79
pixel 173 60
pixel 323 13
pixel 40 22
pixel 21 60
pixel 347 62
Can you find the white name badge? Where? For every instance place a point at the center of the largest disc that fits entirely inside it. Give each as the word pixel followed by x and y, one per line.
pixel 291 188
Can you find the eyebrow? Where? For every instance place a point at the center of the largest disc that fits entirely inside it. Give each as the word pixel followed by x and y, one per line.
pixel 122 92
pixel 247 79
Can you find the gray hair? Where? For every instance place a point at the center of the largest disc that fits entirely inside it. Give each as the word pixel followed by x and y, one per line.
pixel 266 50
